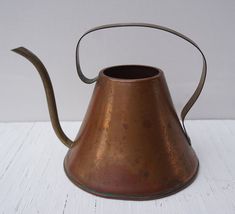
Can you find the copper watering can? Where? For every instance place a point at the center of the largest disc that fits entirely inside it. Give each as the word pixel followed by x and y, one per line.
pixel 131 144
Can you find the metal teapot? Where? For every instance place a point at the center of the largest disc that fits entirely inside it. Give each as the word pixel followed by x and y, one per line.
pixel 131 144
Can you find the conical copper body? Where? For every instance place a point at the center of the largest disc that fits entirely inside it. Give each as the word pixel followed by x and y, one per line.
pixel 131 144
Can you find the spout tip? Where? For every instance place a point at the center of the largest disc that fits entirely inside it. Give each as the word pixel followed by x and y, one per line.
pixel 22 51
pixel 17 50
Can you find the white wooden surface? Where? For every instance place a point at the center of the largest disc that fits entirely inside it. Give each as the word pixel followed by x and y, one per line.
pixel 32 179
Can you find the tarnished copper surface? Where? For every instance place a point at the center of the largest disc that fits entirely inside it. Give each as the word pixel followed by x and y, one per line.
pixel 131 144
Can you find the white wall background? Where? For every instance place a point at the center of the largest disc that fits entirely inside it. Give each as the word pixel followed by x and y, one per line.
pixel 51 30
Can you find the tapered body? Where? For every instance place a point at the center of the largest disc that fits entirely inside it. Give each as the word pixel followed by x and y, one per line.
pixel 131 143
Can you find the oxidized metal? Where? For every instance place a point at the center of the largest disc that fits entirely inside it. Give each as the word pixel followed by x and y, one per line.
pixel 131 144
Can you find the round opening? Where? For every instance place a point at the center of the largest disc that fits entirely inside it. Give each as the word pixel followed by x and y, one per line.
pixel 131 72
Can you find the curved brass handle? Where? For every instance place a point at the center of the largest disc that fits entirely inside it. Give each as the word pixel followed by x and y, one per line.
pixel 199 88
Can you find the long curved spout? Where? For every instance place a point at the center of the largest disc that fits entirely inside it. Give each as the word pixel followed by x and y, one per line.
pixel 49 93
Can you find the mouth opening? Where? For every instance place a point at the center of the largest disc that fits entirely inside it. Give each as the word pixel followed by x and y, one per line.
pixel 131 72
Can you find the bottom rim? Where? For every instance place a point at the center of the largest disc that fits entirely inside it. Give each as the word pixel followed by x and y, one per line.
pixel 133 197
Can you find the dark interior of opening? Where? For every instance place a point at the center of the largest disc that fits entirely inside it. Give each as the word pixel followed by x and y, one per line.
pixel 131 72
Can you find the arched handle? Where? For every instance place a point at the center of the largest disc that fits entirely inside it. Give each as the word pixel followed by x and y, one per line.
pixel 196 93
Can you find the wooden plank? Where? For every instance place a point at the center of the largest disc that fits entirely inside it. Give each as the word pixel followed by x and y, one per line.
pixel 32 179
